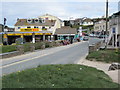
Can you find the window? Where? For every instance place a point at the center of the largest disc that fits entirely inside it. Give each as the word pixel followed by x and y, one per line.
pixel 28 27
pixel 43 28
pixel 18 27
pixel 35 27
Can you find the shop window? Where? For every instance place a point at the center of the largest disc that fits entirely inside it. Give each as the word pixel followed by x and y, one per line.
pixel 28 27
pixel 43 28
pixel 35 27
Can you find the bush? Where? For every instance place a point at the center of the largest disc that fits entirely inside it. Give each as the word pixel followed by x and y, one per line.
pixel 38 45
pixel 27 46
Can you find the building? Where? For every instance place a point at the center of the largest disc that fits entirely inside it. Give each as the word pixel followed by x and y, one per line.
pixel 87 21
pixel 114 33
pixel 8 29
pixel 46 27
pixel 78 21
pixel 65 32
pixel 100 26
pixel 58 24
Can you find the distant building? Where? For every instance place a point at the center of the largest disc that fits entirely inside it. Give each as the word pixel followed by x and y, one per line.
pixel 8 29
pixel 78 21
pixel 100 26
pixel 87 21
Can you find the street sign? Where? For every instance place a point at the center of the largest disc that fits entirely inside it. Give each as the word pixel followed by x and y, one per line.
pixel 113 30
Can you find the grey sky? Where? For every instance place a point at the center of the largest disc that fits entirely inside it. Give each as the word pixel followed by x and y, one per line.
pixel 63 10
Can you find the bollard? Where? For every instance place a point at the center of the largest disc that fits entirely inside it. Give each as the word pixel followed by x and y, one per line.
pixel 32 48
pixel 20 48
pixel 43 46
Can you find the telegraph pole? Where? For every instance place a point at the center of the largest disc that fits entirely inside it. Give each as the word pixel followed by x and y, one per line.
pixel 106 24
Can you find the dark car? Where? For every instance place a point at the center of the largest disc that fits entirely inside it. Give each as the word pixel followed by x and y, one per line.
pixel 102 36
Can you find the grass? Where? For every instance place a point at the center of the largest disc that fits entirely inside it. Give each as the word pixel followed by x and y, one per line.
pixel 58 76
pixel 7 48
pixel 107 56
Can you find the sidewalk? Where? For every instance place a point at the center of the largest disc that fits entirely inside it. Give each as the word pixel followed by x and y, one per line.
pixel 104 67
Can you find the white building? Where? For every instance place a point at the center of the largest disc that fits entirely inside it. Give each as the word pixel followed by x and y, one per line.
pixel 100 26
pixel 114 37
pixel 42 23
pixel 87 21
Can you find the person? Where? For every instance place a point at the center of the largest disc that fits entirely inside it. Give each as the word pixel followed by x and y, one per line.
pixel 4 43
pixel 71 40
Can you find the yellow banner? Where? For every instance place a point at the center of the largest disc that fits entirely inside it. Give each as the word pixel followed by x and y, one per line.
pixel 38 33
pixel 14 34
pixel 48 33
pixel 29 29
pixel 27 34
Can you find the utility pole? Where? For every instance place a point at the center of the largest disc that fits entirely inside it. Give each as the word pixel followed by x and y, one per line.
pixel 106 24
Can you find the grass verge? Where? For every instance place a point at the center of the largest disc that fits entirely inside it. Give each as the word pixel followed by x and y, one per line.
pixel 59 76
pixel 107 56
pixel 9 48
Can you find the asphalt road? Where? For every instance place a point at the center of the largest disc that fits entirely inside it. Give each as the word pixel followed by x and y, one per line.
pixel 69 54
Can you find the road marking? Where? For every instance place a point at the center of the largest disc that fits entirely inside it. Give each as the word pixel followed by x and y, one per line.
pixel 24 60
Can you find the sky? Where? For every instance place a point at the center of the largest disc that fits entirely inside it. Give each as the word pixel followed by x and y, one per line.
pixel 62 9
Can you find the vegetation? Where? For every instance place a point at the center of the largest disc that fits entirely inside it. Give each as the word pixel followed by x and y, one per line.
pixel 9 48
pixel 27 46
pixel 107 56
pixel 58 76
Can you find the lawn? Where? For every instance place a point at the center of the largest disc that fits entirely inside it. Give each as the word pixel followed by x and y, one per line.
pixel 58 76
pixel 107 56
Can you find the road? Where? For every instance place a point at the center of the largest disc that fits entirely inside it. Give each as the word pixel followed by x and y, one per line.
pixel 69 54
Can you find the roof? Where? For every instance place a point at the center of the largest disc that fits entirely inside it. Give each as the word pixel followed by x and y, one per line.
pixel 87 20
pixel 115 15
pixel 66 30
pixel 51 15
pixel 23 22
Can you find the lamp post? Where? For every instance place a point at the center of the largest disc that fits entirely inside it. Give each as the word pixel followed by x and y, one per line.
pixel 106 23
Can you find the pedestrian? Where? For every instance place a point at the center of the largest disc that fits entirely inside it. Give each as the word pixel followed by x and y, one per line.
pixel 71 40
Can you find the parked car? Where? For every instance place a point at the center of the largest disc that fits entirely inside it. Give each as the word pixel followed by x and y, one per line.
pixel 85 38
pixel 102 36
pixel 92 35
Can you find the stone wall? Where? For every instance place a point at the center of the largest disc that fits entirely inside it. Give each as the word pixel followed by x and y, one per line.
pixel 94 47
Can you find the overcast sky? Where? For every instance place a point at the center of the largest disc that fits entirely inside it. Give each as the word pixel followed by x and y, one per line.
pixel 63 10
